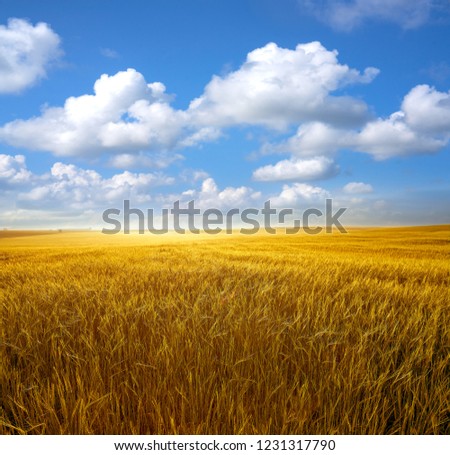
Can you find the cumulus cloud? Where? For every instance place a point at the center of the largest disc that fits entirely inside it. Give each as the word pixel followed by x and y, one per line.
pixel 357 188
pixel 26 51
pixel 348 14
pixel 13 171
pixel 427 110
pixel 297 169
pixel 123 113
pixel 298 193
pixel 276 87
pixel 72 189
pixel 210 196
pixel 421 127
pixel 68 186
pixel 391 137
pixel 316 138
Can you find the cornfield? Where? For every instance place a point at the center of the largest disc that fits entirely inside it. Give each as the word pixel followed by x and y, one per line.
pixel 228 334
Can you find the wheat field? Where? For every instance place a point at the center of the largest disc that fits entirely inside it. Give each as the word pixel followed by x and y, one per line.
pixel 229 334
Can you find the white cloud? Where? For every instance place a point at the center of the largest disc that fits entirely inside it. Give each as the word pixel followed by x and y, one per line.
pixel 13 170
pixel 346 15
pixel 210 196
pixel 142 160
pixel 421 127
pixel 316 138
pixel 123 113
pixel 276 87
pixel 67 186
pixel 387 138
pixel 427 110
pixel 297 169
pixel 205 134
pixel 293 195
pixel 192 175
pixel 357 188
pixel 26 51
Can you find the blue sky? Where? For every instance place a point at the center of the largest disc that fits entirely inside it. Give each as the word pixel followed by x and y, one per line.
pixel 229 103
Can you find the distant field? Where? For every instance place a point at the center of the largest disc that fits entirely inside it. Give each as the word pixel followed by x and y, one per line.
pixel 8 234
pixel 229 334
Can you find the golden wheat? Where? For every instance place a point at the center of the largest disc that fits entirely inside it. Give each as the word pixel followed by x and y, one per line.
pixel 264 334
